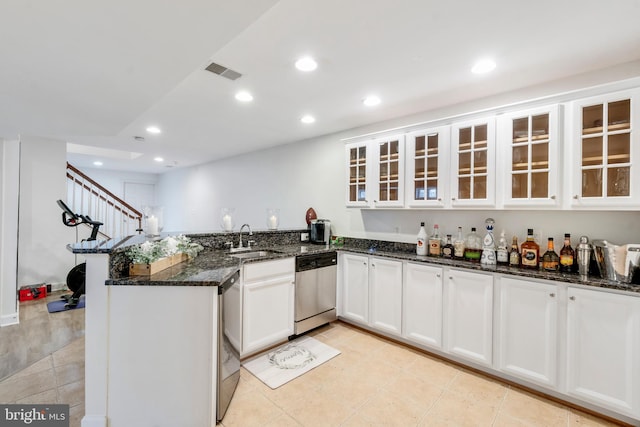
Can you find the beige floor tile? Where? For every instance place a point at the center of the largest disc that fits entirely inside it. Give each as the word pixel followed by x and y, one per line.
pixel 477 387
pixel 579 418
pixel 455 409
pixel 72 353
pixel 395 354
pixel 12 390
pixel 40 366
pixel 533 409
pixel 287 395
pixel 408 387
pixel 72 393
pixel 47 396
pixel 351 392
pixel 283 420
pixel 251 409
pixel 433 370
pixel 387 409
pixel 75 415
pixel 375 371
pixel 69 373
pixel 316 407
pixel 504 420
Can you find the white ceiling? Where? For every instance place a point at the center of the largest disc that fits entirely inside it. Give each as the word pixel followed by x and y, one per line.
pixel 96 74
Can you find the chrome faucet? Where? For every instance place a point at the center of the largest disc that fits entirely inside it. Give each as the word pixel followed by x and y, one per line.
pixel 250 234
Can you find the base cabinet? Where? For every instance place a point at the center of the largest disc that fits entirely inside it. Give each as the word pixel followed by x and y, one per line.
pixel 422 307
pixel 385 285
pixel 603 349
pixel 267 304
pixel 527 330
pixel 469 315
pixel 354 304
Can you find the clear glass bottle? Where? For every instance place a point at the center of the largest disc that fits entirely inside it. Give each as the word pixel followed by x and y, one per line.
pixel 550 259
pixel 530 252
pixel 421 245
pixel 472 246
pixel 502 254
pixel 448 249
pixel 514 254
pixel 567 256
pixel 458 245
pixel 434 242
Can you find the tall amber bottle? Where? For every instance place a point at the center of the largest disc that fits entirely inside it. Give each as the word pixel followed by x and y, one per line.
pixel 567 256
pixel 530 252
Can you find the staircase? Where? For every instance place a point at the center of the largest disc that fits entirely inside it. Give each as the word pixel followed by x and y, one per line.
pixel 85 196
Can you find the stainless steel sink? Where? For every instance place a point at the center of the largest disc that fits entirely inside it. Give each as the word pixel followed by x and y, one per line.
pixel 252 254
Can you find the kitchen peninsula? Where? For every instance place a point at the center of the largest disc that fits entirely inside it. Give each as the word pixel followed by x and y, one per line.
pixel 136 326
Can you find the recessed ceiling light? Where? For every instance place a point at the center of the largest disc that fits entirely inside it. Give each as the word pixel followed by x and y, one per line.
pixel 158 159
pixel 244 96
pixel 97 163
pixel 483 66
pixel 371 101
pixel 306 63
pixel 154 129
pixel 308 119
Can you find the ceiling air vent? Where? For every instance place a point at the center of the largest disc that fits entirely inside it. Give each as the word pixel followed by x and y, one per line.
pixel 223 71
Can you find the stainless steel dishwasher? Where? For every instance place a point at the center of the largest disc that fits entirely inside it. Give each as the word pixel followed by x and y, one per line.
pixel 228 354
pixel 315 290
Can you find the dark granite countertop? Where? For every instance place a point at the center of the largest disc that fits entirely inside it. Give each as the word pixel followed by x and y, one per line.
pixel 213 266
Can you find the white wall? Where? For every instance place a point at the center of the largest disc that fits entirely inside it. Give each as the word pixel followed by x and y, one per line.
pixel 312 173
pixel 9 196
pixel 42 252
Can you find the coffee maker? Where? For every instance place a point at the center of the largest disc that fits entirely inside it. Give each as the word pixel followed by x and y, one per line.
pixel 320 231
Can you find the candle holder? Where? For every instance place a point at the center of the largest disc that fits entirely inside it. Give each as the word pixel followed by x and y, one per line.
pixel 273 218
pixel 227 218
pixel 153 220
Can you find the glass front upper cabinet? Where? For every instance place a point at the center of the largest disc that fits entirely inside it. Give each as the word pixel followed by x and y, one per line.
pixel 606 147
pixel 531 143
pixel 473 161
pixel 388 183
pixel 357 173
pixel 427 167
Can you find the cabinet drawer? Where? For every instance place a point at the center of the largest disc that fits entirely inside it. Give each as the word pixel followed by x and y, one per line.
pixel 256 271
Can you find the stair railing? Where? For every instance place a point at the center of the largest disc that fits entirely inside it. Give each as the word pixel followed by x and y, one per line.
pixel 86 196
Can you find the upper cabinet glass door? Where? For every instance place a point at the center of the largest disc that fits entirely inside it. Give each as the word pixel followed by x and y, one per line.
pixel 427 167
pixel 530 142
pixel 357 172
pixel 473 161
pixel 389 172
pixel 607 147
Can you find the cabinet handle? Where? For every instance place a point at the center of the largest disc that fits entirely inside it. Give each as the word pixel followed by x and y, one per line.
pixel 450 277
pixel 553 197
pixel 453 198
pixel 437 275
pixel 572 298
pixel 439 199
pixel 575 196
pixel 552 295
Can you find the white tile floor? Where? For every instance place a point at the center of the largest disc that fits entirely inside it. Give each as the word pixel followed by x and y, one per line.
pixel 374 382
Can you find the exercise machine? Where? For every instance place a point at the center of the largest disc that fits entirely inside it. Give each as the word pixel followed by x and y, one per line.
pixel 76 276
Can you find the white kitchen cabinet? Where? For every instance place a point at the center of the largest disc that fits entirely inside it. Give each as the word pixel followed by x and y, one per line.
pixel 606 151
pixel 267 303
pixel 385 286
pixel 468 315
pixel 422 307
pixel 603 349
pixel 375 173
pixel 529 145
pixel 473 172
pixel 354 283
pixel 527 330
pixel 427 165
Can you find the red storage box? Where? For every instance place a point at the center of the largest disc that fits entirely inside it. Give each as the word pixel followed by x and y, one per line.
pixel 28 293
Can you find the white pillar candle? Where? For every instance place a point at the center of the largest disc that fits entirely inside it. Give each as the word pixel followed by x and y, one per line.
pixel 226 221
pixel 152 223
pixel 273 222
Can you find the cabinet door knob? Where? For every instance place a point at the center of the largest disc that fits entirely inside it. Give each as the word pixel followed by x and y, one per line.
pixel 439 199
pixel 575 196
pixel 553 197
pixel 572 298
pixel 453 198
pixel 438 275
pixel 450 277
pixel 552 295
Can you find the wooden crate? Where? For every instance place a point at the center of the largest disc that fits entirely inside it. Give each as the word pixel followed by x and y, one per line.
pixel 156 266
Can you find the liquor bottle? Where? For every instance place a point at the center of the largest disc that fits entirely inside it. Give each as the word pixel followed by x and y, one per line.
pixel 435 242
pixel 567 256
pixel 502 254
pixel 458 245
pixel 530 252
pixel 421 245
pixel 550 258
pixel 514 254
pixel 447 249
pixel 488 256
pixel 472 246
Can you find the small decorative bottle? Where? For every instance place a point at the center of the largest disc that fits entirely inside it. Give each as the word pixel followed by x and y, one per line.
pixel 421 245
pixel 488 256
pixel 502 254
pixel 567 256
pixel 472 246
pixel 514 254
pixel 458 245
pixel 447 249
pixel 550 258
pixel 435 242
pixel 530 252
